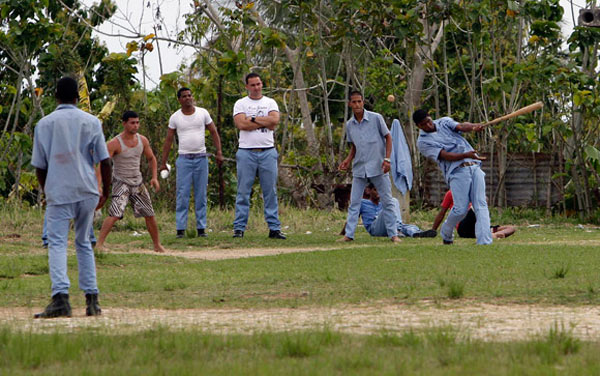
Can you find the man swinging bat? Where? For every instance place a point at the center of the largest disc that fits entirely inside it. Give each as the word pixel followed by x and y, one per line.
pixel 441 141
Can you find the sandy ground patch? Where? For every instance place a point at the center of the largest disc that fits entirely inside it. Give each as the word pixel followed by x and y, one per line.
pixel 479 321
pixel 228 253
pixel 213 254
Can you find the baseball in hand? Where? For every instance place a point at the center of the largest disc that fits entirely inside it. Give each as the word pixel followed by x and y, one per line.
pixel 165 173
pixel 391 98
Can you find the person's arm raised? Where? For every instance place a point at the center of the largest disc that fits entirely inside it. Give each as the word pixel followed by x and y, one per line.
pixel 448 156
pixel 469 127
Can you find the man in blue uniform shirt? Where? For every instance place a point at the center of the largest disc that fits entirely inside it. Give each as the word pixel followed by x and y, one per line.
pixel 370 149
pixel 441 141
pixel 370 207
pixel 66 145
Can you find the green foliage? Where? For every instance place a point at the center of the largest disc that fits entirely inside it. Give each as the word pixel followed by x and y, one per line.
pixel 493 56
pixel 19 142
pixel 53 38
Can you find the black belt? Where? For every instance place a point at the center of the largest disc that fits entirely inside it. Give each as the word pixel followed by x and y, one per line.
pixel 256 150
pixel 467 164
pixel 193 155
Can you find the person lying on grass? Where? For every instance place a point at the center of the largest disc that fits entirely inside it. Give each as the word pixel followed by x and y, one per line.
pixel 128 185
pixel 466 227
pixel 370 207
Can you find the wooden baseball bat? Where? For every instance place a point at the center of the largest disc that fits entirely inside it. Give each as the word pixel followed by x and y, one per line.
pixel 519 112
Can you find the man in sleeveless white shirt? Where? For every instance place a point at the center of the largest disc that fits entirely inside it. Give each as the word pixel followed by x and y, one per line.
pixel 190 123
pixel 128 184
pixel 256 116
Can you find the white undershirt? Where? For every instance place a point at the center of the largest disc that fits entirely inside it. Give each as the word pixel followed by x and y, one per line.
pixel 191 130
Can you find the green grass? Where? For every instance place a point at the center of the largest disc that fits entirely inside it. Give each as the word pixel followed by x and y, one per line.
pixel 407 273
pixel 534 266
pixel 556 263
pixel 437 351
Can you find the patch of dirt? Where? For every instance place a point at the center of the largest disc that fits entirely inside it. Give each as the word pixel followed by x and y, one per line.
pixel 213 254
pixel 10 237
pixel 229 253
pixel 478 321
pixel 586 242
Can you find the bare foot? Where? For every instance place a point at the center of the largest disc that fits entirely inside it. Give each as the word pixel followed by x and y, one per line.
pixel 344 239
pixel 99 247
pixel 498 235
pixel 159 249
pixel 396 239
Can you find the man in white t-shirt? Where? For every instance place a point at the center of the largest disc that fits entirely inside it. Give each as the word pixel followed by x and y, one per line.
pixel 190 123
pixel 256 116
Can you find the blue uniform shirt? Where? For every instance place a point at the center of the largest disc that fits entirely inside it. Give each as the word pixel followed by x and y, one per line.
pixel 369 211
pixel 448 138
pixel 368 138
pixel 67 143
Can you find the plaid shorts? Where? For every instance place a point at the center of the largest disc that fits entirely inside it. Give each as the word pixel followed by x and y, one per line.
pixel 137 195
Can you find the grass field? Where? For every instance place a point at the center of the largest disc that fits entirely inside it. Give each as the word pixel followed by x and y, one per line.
pixel 550 262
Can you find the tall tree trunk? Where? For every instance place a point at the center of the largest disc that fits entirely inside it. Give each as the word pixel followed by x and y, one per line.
pixel 414 92
pixel 219 113
pixel 347 56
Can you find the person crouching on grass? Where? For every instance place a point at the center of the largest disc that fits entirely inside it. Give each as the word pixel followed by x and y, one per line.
pixel 126 151
pixel 370 207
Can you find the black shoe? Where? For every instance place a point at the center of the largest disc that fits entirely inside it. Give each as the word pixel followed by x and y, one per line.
pixel 45 245
pixel 447 242
pixel 59 307
pixel 201 233
pixel 93 244
pixel 426 234
pixel 238 234
pixel 276 234
pixel 180 234
pixel 92 306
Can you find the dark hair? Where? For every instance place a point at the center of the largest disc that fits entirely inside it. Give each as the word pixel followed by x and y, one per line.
pixel 353 93
pixel 66 90
pixel 252 75
pixel 128 115
pixel 370 185
pixel 419 115
pixel 182 90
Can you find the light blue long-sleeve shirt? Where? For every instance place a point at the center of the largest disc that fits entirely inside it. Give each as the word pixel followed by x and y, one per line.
pixel 67 143
pixel 446 137
pixel 368 138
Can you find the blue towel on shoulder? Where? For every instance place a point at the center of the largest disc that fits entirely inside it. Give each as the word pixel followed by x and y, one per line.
pixel 401 166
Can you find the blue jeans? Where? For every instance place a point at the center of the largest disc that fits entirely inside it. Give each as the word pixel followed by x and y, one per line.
pixel 191 172
pixel 58 223
pixel 378 227
pixel 249 164
pixel 45 233
pixel 468 186
pixel 388 215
